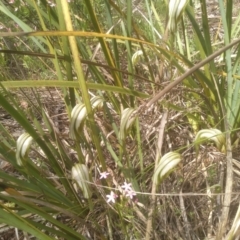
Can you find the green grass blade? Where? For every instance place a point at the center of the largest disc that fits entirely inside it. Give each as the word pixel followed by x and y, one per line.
pixel 12 219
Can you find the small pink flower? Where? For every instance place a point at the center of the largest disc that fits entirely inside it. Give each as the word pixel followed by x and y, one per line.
pixel 104 175
pixel 51 4
pixel 130 194
pixel 127 186
pixel 111 197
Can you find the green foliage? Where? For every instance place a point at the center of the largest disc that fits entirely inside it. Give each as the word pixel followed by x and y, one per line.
pixel 99 61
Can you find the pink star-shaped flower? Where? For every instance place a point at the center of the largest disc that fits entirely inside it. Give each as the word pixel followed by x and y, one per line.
pixel 111 197
pixel 127 186
pixel 130 194
pixel 104 175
